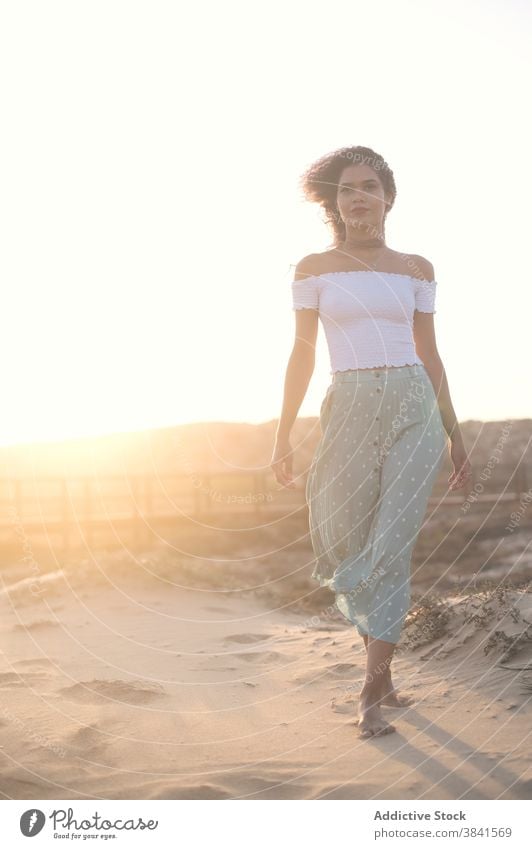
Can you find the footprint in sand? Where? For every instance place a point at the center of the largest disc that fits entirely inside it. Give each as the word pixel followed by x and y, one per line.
pixel 334 670
pixel 342 669
pixel 128 692
pixel 88 740
pixel 34 661
pixel 12 680
pixel 260 656
pixel 197 791
pixel 344 704
pixel 248 638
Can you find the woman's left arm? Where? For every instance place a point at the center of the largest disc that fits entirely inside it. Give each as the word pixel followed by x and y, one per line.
pixel 427 351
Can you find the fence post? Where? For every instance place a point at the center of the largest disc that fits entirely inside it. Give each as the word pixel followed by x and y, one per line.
pixel 65 515
pixel 258 486
pixel 18 499
pixel 148 507
pixel 88 511
pixel 520 480
pixel 136 513
pixel 207 500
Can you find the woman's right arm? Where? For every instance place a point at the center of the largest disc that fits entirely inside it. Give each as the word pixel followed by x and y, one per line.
pixel 298 374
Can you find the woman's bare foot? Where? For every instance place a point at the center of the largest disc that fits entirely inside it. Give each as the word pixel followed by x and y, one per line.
pixel 370 720
pixel 391 698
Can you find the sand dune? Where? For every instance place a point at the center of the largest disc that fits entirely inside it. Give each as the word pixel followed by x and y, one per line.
pixel 122 683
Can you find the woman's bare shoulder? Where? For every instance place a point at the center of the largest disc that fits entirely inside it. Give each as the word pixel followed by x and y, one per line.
pixel 419 267
pixel 311 265
pixel 306 267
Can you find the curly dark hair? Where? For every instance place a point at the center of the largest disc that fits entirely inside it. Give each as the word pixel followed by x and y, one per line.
pixel 320 182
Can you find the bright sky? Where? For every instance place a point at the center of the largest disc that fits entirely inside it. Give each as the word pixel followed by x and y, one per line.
pixel 151 208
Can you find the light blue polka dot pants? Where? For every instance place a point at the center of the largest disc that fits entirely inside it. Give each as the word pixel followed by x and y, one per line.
pixel 381 447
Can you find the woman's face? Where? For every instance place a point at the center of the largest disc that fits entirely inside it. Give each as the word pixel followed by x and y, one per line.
pixel 360 197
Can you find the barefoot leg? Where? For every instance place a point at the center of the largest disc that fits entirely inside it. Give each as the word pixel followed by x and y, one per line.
pixel 391 698
pixel 388 694
pixel 370 720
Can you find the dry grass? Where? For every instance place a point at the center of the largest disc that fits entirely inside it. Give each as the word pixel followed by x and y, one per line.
pixel 426 621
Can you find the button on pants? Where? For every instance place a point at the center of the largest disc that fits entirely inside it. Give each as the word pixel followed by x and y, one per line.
pixel 381 447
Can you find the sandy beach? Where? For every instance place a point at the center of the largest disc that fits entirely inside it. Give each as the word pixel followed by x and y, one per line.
pixel 123 678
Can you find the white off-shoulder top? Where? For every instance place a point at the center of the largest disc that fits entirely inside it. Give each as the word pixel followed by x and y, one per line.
pixel 367 316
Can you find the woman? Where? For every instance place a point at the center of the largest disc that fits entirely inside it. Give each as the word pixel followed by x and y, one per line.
pixel 386 419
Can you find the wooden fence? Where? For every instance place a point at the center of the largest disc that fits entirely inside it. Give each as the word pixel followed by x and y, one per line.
pixel 83 507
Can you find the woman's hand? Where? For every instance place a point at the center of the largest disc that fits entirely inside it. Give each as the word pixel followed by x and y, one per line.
pixel 462 467
pixel 282 463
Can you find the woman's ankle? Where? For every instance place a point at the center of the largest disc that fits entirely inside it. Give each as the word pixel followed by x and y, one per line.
pixel 370 690
pixel 379 683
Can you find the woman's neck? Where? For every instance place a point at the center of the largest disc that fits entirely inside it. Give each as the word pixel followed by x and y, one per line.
pixel 362 244
pixel 363 240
